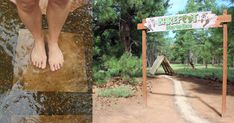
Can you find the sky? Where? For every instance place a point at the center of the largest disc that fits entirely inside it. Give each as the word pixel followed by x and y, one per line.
pixel 178 5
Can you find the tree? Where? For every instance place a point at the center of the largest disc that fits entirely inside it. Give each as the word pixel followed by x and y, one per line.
pixel 115 23
pixel 196 44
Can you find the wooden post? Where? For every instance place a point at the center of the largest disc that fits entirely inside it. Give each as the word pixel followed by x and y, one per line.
pixel 144 64
pixel 141 27
pixel 225 40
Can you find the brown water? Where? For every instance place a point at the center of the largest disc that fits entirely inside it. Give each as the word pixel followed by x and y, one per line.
pixel 24 98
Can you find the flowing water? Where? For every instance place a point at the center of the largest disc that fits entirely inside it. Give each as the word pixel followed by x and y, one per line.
pixel 24 98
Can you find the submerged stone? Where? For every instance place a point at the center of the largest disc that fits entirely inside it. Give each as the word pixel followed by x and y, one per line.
pixel 51 119
pixel 71 78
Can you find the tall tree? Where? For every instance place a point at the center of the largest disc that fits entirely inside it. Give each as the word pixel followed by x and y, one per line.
pixel 191 43
pixel 115 23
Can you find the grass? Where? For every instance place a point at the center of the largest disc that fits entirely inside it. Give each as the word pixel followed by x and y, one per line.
pixel 121 91
pixel 201 71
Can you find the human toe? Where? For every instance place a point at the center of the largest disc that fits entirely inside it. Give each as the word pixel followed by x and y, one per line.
pixel 43 65
pixel 38 64
pixel 58 66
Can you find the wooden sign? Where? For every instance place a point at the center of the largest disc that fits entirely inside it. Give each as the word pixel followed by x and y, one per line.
pixel 182 21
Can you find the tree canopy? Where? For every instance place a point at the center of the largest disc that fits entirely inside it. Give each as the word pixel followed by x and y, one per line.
pixel 115 32
pixel 115 23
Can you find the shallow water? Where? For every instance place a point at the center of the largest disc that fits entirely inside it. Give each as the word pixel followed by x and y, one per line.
pixel 19 104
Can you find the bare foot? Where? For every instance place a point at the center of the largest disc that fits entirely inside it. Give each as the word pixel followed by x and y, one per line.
pixel 38 55
pixel 55 56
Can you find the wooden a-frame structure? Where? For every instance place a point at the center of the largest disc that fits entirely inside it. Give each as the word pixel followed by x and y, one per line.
pixel 161 60
pixel 222 20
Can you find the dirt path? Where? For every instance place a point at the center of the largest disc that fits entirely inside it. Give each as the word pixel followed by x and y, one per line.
pixel 161 108
pixel 195 100
pixel 205 97
pixel 182 103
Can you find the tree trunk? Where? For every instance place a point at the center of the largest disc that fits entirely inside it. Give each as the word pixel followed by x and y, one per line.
pixel 204 61
pixel 182 60
pixel 195 60
pixel 213 60
pixel 191 59
pixel 125 35
pixel 150 54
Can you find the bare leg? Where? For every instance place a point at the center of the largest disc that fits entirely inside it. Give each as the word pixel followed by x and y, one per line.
pixel 57 13
pixel 30 14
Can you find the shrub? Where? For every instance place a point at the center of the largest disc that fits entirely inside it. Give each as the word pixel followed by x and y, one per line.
pixel 113 66
pixel 101 77
pixel 127 66
pixel 121 91
pixel 130 65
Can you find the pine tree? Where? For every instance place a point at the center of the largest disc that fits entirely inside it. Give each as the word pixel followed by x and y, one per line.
pixel 115 23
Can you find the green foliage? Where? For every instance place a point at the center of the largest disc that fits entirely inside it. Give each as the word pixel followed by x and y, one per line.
pixel 114 24
pixel 127 66
pixel 131 80
pixel 111 17
pixel 130 65
pixel 101 77
pixel 115 32
pixel 113 66
pixel 203 46
pixel 121 91
pixel 201 71
pixel 201 5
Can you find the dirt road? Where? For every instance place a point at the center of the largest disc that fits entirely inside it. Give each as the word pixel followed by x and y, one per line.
pixel 163 106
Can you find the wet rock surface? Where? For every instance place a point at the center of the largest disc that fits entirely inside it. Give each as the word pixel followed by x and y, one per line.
pixel 72 77
pixel 25 99
pixel 18 103
pixel 51 119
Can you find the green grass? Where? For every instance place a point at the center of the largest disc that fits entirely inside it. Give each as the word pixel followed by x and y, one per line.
pixel 201 71
pixel 121 91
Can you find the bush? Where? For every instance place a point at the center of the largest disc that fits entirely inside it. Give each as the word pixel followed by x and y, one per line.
pixel 101 77
pixel 130 65
pixel 131 80
pixel 113 67
pixel 121 91
pixel 127 67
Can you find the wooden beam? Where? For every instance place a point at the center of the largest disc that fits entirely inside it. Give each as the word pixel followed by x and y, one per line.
pixel 165 68
pixel 225 44
pixel 141 26
pixel 223 19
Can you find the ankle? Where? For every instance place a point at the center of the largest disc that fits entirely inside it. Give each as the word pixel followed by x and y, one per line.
pixel 39 42
pixel 52 43
pixel 39 39
pixel 53 46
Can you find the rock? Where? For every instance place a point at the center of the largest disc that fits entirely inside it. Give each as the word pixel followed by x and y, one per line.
pixel 71 78
pixel 51 119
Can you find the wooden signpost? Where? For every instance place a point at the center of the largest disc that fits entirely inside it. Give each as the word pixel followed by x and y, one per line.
pixel 182 22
